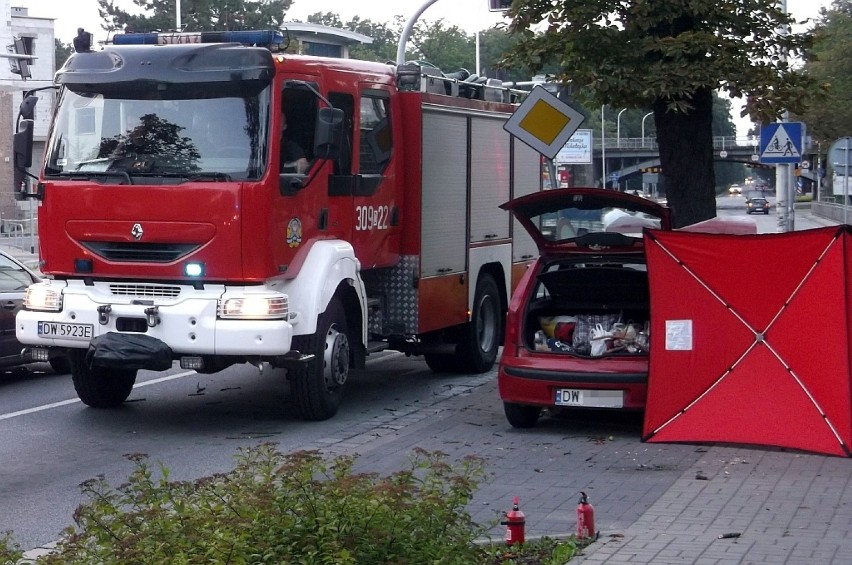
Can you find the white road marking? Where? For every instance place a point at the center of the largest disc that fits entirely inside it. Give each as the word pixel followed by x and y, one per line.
pixel 389 356
pixel 43 407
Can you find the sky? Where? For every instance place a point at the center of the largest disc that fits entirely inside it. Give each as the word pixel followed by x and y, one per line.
pixel 470 15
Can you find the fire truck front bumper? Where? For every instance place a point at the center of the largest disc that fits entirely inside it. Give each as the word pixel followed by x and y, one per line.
pixel 217 321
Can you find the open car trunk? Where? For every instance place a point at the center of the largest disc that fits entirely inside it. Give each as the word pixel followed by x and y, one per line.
pixel 590 296
pixel 590 307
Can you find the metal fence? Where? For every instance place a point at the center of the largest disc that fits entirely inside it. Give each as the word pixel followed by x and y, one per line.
pixel 20 234
pixel 650 142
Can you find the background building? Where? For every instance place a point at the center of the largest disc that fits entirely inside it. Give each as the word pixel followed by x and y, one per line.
pixel 38 35
pixel 322 41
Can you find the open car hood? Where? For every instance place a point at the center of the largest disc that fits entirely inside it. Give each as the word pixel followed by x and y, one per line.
pixel 587 219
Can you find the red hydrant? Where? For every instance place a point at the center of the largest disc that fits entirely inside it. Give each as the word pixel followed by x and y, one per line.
pixel 585 519
pixel 514 523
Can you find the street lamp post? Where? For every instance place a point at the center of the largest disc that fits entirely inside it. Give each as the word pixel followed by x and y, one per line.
pixel 618 128
pixel 177 14
pixel 643 128
pixel 603 149
pixel 815 167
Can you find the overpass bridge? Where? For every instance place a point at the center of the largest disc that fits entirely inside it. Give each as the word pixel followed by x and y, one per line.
pixel 627 157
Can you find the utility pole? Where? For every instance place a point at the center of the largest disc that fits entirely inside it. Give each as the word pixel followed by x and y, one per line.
pixel 785 198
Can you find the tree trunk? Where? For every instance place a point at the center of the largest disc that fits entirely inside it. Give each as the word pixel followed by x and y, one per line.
pixel 686 157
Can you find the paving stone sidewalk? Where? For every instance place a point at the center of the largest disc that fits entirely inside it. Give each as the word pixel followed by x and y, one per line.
pixel 655 503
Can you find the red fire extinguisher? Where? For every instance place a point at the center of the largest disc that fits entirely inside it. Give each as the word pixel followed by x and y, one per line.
pixel 585 519
pixel 514 522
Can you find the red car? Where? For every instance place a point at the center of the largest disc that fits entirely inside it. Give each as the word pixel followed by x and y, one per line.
pixel 577 327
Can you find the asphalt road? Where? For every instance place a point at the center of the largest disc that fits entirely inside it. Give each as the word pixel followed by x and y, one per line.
pixel 192 423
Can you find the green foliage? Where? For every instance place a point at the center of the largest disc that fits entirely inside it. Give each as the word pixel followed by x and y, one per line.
pixel 494 44
pixel 830 64
pixel 671 56
pixel 61 52
pixel 276 508
pixel 198 15
pixel 632 54
pixel 10 551
pixel 294 508
pixel 447 47
pixel 546 551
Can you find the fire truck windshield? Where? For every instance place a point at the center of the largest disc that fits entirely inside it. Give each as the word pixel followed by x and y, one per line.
pixel 151 139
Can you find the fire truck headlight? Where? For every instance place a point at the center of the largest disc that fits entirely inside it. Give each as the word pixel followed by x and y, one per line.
pixel 43 297
pixel 194 269
pixel 254 307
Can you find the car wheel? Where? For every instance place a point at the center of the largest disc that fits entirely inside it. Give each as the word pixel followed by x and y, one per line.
pixel 521 416
pixel 477 351
pixel 99 388
pixel 319 384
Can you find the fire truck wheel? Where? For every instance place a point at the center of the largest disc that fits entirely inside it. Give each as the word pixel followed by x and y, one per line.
pixel 60 364
pixel 440 363
pixel 99 388
pixel 477 351
pixel 521 416
pixel 318 384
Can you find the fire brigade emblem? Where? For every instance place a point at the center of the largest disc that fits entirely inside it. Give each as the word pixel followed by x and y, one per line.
pixel 294 232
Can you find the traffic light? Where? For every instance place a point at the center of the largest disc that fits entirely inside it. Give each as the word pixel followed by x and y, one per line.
pixel 20 66
pixel 499 5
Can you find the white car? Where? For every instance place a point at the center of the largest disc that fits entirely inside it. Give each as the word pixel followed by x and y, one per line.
pixel 735 189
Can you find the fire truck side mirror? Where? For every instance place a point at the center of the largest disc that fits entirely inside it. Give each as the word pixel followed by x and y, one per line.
pixel 328 133
pixel 22 143
pixel 27 108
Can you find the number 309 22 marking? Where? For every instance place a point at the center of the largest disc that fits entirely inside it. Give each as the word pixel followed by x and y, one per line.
pixel 371 218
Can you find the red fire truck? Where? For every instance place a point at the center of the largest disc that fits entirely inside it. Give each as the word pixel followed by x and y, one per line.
pixel 175 227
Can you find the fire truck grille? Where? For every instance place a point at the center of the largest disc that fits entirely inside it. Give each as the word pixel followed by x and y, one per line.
pixel 140 252
pixel 146 290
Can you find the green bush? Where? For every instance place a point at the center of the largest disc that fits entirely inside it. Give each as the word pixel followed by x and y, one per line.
pixel 275 508
pixel 10 551
pixel 289 508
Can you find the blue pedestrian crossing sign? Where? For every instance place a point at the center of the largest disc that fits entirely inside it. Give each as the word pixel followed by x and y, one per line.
pixel 781 142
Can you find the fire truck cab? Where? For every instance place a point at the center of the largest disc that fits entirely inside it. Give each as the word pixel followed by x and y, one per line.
pixel 182 221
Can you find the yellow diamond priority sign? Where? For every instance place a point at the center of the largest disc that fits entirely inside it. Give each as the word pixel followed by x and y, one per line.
pixel 544 122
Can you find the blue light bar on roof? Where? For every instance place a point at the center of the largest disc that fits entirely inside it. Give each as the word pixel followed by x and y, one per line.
pixel 262 38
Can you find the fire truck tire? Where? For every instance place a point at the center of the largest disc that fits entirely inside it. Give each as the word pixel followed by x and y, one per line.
pixel 441 363
pixel 477 351
pixel 318 385
pixel 60 364
pixel 99 388
pixel 521 416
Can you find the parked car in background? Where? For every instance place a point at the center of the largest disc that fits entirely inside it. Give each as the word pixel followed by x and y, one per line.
pixel 15 277
pixel 757 205
pixel 577 327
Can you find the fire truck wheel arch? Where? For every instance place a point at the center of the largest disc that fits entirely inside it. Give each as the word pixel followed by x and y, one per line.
pixel 326 264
